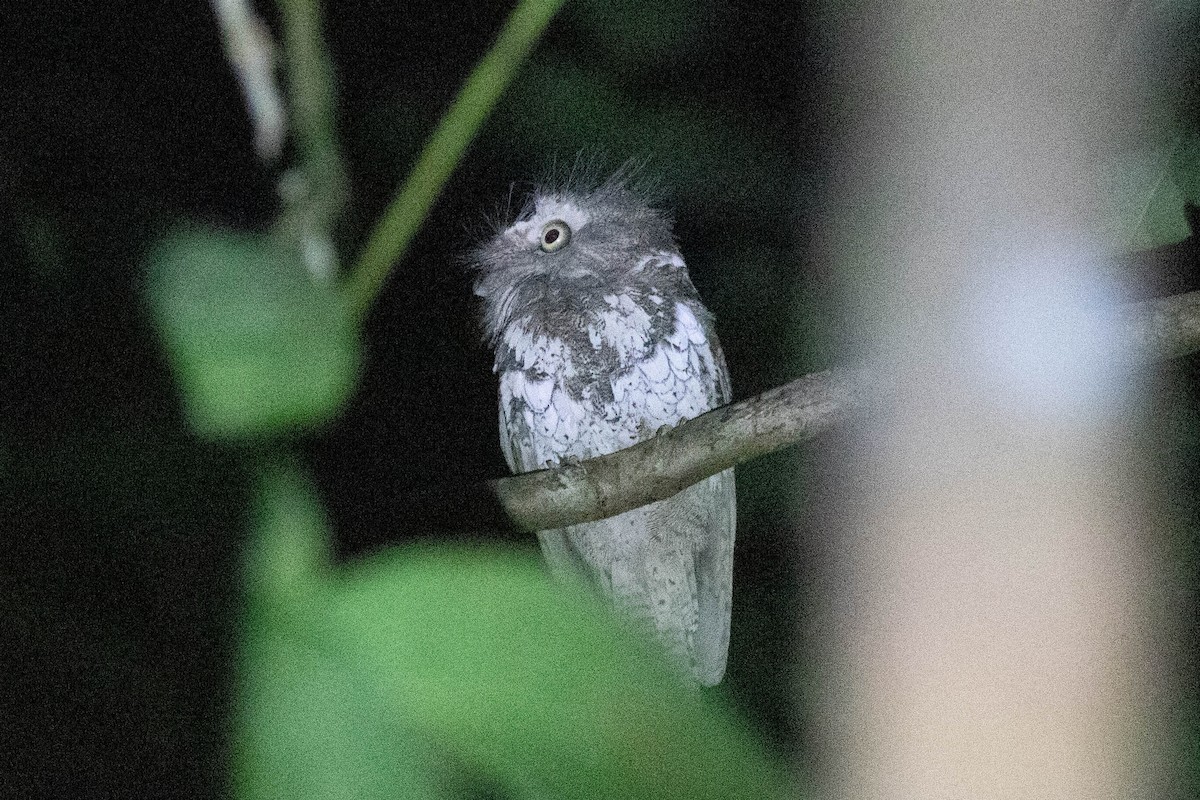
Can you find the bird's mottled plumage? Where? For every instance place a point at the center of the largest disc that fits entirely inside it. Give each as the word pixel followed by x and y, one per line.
pixel 600 341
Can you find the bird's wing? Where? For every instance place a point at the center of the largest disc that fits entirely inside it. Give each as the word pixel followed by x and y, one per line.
pixel 529 373
pixel 670 562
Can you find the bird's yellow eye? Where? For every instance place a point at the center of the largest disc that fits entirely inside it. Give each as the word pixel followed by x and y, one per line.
pixel 555 235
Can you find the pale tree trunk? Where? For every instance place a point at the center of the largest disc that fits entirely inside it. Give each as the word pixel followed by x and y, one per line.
pixel 999 613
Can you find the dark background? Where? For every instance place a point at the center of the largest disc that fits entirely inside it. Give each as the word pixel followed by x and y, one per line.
pixel 123 531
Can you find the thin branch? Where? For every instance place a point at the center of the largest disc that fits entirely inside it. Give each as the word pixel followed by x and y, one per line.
pixel 443 151
pixel 658 468
pixel 251 53
pixel 315 193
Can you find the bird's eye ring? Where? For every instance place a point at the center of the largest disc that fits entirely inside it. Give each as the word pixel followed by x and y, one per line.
pixel 555 235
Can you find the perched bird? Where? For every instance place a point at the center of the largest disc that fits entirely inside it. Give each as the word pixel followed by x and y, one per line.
pixel 600 342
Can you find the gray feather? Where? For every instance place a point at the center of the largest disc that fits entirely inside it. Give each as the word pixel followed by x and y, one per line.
pixel 599 343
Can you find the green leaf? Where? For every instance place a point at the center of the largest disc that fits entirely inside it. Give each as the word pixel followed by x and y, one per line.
pixel 259 347
pixel 533 684
pixel 307 729
pixel 381 679
pixel 306 726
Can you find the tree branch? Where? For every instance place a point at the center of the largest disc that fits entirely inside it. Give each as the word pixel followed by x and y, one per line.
pixel 251 54
pixel 314 193
pixel 786 415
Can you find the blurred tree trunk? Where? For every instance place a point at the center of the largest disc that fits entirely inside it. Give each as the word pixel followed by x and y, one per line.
pixel 997 626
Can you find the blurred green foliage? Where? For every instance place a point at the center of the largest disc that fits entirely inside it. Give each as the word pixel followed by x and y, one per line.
pixel 308 724
pixel 259 346
pixel 350 680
